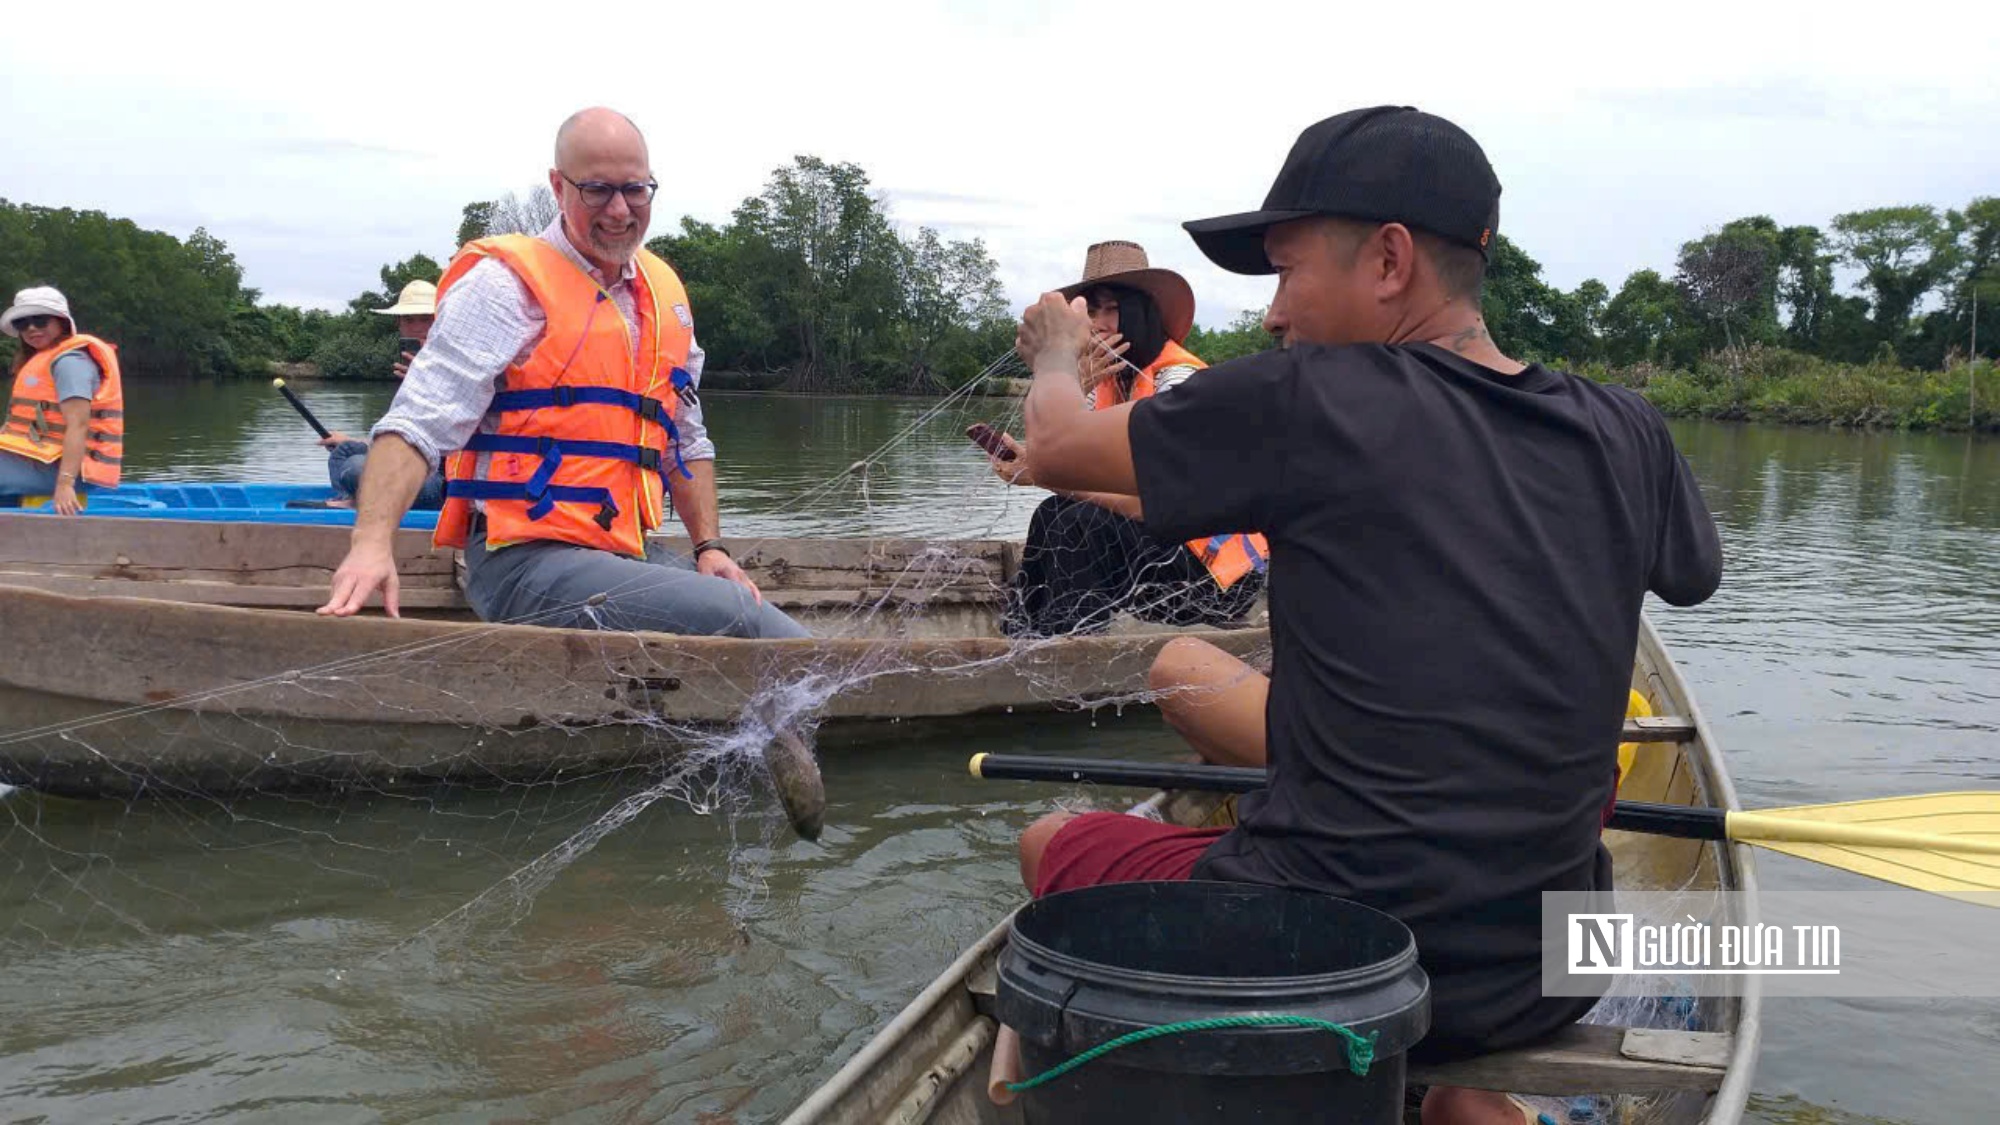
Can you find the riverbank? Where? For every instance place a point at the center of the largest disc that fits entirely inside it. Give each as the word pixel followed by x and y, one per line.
pixel 1762 385
pixel 1791 388
pixel 761 382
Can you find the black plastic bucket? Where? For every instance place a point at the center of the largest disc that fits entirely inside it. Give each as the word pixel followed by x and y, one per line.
pixel 1084 967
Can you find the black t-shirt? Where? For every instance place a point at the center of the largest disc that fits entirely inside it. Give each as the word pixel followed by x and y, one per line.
pixel 1458 563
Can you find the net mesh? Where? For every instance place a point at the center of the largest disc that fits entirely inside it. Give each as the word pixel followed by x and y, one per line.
pixel 247 818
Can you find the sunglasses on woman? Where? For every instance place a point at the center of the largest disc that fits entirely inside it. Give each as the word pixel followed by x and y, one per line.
pixel 39 320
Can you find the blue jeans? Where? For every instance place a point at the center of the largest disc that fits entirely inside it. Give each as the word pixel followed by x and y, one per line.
pixel 24 476
pixel 345 464
pixel 545 583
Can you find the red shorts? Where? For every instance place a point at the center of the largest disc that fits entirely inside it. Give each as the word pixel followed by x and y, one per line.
pixel 1106 847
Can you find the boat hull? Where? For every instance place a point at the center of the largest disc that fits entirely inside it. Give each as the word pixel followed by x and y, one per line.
pixel 106 694
pixel 932 1061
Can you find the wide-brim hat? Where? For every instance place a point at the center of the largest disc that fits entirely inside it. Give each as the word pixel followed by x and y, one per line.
pixel 38 301
pixel 1124 263
pixel 418 298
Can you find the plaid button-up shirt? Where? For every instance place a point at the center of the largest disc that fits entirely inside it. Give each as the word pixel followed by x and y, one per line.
pixel 486 323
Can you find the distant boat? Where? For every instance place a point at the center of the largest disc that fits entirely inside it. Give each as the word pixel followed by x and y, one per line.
pixel 215 503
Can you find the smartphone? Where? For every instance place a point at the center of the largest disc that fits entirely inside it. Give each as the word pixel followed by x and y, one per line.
pixel 408 345
pixel 988 438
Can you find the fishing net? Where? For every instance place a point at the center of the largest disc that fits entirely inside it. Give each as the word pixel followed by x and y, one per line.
pixel 564 864
pixel 347 834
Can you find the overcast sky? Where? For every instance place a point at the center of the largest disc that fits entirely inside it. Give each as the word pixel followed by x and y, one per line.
pixel 322 142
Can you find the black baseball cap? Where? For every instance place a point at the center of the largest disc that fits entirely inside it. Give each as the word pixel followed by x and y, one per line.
pixel 1387 164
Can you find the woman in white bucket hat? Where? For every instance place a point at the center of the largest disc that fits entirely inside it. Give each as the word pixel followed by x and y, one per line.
pixel 415 311
pixel 65 422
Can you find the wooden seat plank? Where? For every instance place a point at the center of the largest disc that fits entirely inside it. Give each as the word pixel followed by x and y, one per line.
pixel 1593 1059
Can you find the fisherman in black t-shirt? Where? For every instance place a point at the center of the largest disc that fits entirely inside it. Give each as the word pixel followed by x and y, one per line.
pixel 1460 548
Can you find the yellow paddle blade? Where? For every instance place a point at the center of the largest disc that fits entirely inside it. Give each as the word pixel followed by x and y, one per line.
pixel 1945 843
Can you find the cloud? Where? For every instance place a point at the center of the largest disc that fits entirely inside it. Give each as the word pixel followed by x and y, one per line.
pixel 333 148
pixel 320 144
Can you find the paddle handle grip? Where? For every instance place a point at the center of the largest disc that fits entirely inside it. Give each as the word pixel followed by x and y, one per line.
pixel 304 412
pixel 1142 775
pixel 1629 816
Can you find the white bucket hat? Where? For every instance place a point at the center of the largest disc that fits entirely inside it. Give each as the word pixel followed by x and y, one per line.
pixel 42 299
pixel 418 298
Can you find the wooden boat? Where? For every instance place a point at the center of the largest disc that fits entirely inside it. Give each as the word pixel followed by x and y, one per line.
pixel 167 656
pixel 214 503
pixel 931 1063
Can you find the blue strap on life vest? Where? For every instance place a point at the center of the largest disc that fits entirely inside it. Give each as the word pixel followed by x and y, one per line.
pixel 651 409
pixel 1213 547
pixel 552 451
pixel 1257 560
pixel 544 502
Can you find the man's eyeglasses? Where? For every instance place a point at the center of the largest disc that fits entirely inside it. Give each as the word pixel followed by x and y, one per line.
pixel 597 193
pixel 39 320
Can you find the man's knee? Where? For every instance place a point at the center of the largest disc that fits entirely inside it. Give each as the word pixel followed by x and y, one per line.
pixel 1455 1105
pixel 1183 667
pixel 1180 663
pixel 1035 841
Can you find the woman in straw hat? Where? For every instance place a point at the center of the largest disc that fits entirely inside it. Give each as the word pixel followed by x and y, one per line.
pixel 415 311
pixel 65 423
pixel 1088 555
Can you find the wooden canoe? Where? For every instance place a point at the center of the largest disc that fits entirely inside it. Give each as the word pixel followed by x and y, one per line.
pixel 931 1062
pixel 169 656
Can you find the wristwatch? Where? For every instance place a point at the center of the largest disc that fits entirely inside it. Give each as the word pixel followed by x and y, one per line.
pixel 711 545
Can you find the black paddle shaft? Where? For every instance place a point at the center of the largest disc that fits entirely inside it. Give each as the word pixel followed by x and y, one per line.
pixel 304 412
pixel 1630 816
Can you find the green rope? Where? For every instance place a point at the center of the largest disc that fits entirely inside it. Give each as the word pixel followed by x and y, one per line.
pixel 1360 1048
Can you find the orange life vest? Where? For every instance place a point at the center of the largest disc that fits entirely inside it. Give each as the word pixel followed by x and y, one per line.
pixel 585 426
pixel 1228 556
pixel 35 425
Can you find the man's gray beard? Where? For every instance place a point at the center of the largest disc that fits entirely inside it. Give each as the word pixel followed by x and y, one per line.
pixel 617 253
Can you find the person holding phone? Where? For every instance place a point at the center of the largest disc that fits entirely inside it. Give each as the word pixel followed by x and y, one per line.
pixel 1089 555
pixel 415 310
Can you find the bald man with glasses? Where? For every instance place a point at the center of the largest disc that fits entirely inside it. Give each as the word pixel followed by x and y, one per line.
pixel 558 388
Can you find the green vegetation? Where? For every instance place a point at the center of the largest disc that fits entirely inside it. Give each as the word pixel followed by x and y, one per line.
pixel 810 286
pixel 172 307
pixel 359 343
pixel 810 277
pixel 1750 326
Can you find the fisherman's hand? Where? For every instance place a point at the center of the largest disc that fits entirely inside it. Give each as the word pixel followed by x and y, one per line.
pixel 715 564
pixel 65 498
pixel 1100 360
pixel 334 438
pixel 369 566
pixel 1053 332
pixel 1016 471
pixel 402 364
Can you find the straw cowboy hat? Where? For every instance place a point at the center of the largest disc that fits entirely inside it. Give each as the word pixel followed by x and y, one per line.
pixel 418 298
pixel 43 299
pixel 1124 263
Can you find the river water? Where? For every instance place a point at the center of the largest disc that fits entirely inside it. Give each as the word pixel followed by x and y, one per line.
pixel 361 957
